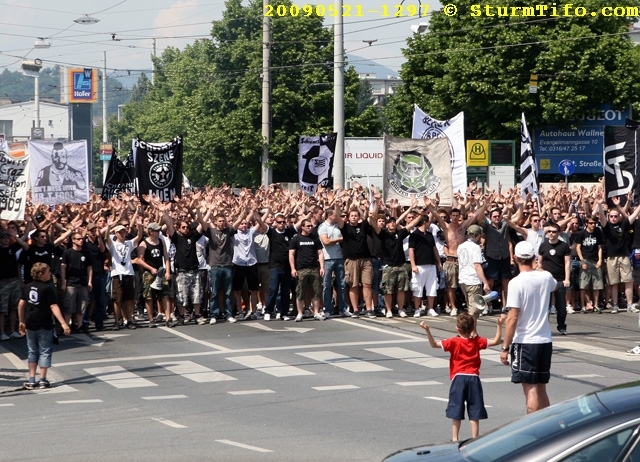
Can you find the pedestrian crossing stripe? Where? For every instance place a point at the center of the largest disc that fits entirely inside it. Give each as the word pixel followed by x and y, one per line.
pixel 344 362
pixel 411 356
pixel 195 372
pixel 119 377
pixel 269 366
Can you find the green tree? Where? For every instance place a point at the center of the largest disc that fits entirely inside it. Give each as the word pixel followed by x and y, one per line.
pixel 211 91
pixel 482 65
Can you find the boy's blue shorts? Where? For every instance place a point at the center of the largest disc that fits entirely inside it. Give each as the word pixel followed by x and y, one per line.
pixel 466 389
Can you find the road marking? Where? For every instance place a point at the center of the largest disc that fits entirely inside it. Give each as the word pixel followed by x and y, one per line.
pixel 169 423
pixel 496 379
pixel 13 359
pixel 417 384
pixel 378 329
pixel 411 357
pixel 150 398
pixel 581 376
pixel 243 446
pixel 54 390
pixel 194 340
pixel 594 350
pixel 7 405
pixel 80 401
pixel 195 372
pixel 251 392
pixel 436 398
pixel 337 387
pixel 344 362
pixel 269 366
pixel 119 377
pixel 300 330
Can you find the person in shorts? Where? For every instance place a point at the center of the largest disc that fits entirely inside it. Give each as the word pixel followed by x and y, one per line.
pixel 38 304
pixel 306 260
pixel 527 334
pixel 464 371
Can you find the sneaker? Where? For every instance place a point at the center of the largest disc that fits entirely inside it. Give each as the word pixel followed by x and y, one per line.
pixel 299 318
pixel 318 317
pixel 307 313
pixel 242 316
pixel 562 332
pixel 552 310
pixel 259 306
pixel 615 309
pixel 597 309
pixel 448 309
pixel 213 321
pixel 346 313
pixel 389 314
pixel 454 312
pixel 633 351
pixel 131 326
pixel 160 317
pixel 116 326
pixel 633 308
pixel 285 318
pixel 15 335
pixel 485 312
pixel 417 313
pixel 402 313
pixel 432 312
pixel 570 309
pixel 171 324
pixel 371 314
pixel 254 315
pixel 153 324
pixel 356 314
pixel 267 317
pixel 30 385
pixel 278 316
pixel 44 383
pixel 231 319
pixel 327 315
pixel 201 321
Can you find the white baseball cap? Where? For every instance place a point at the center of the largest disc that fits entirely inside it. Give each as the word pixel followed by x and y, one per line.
pixel 525 249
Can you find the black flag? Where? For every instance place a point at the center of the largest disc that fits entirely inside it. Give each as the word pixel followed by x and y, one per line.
pixel 159 168
pixel 120 177
pixel 621 161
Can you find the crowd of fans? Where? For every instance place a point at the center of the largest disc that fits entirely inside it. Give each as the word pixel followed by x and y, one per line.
pixel 219 254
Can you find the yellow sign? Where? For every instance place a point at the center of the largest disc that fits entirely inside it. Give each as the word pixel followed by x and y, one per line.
pixel 477 153
pixel 545 164
pixel 82 85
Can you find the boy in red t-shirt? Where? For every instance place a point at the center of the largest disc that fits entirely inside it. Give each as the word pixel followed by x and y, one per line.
pixel 464 371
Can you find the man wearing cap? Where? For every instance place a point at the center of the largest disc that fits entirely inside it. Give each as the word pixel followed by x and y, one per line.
pixel 154 260
pixel 471 276
pixel 528 334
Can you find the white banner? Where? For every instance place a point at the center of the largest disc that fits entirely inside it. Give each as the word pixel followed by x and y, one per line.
pixel 53 180
pixel 419 167
pixel 14 180
pixel 315 161
pixel 426 127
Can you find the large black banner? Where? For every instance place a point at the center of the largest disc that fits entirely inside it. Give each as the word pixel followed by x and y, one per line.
pixel 158 168
pixel 621 161
pixel 120 177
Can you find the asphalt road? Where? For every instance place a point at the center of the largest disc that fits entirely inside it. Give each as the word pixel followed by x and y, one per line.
pixel 336 390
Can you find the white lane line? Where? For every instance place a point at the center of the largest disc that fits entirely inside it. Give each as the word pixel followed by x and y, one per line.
pixel 418 384
pixel 13 359
pixel 344 362
pixel 169 423
pixel 436 398
pixel 194 340
pixel 119 377
pixel 195 372
pixel 337 387
pixel 491 355
pixel 411 357
pixel 378 329
pixel 581 376
pixel 149 398
pixel 250 392
pixel 7 405
pixel 54 390
pixel 495 379
pixel 594 350
pixel 80 401
pixel 269 366
pixel 243 446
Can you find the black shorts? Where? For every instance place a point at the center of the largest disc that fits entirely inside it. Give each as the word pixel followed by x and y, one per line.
pixel 466 389
pixel 123 289
pixel 531 362
pixel 248 273
pixel 498 270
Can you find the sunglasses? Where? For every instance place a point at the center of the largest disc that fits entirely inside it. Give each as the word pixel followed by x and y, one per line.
pixel 77 238
pixel 552 232
pixel 614 216
pixel 591 222
pixel 280 221
pixel 535 221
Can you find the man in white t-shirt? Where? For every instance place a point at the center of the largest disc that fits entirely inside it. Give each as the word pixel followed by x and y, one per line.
pixel 470 273
pixel 528 334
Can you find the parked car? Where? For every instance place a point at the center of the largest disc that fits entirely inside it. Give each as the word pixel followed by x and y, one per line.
pixel 602 426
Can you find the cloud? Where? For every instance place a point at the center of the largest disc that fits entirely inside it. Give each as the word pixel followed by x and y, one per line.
pixel 182 23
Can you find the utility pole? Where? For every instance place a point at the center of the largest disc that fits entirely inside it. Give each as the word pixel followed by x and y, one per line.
pixel 153 64
pixel 266 96
pixel 105 137
pixel 338 96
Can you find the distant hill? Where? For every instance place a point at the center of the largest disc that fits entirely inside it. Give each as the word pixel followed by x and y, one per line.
pixel 364 65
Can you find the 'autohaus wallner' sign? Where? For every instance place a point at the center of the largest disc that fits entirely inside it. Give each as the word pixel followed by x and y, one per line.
pixel 584 145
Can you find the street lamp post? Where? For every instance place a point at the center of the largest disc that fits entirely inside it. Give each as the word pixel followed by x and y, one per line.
pixel 338 96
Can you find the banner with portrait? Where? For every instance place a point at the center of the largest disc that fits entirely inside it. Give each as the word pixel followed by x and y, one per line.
pixel 59 172
pixel 120 177
pixel 14 179
pixel 158 168
pixel 419 167
pixel 315 164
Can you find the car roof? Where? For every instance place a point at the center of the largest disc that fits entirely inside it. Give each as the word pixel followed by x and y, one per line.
pixel 620 398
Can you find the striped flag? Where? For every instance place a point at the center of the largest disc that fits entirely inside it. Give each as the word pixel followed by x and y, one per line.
pixel 528 169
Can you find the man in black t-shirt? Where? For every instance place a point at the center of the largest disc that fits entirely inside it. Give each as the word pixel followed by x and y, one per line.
pixel 76 273
pixel 9 282
pixel 555 257
pixel 37 305
pixel 279 271
pixel 425 266
pixel 40 251
pixel 306 260
pixel 589 244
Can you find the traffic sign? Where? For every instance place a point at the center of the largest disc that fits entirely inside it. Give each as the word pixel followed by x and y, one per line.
pixel 566 167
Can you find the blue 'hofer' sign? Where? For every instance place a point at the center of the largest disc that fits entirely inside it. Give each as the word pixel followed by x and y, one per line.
pixel 82 84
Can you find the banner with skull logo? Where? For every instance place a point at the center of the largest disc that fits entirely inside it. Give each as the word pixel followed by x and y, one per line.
pixel 420 167
pixel 315 164
pixel 158 168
